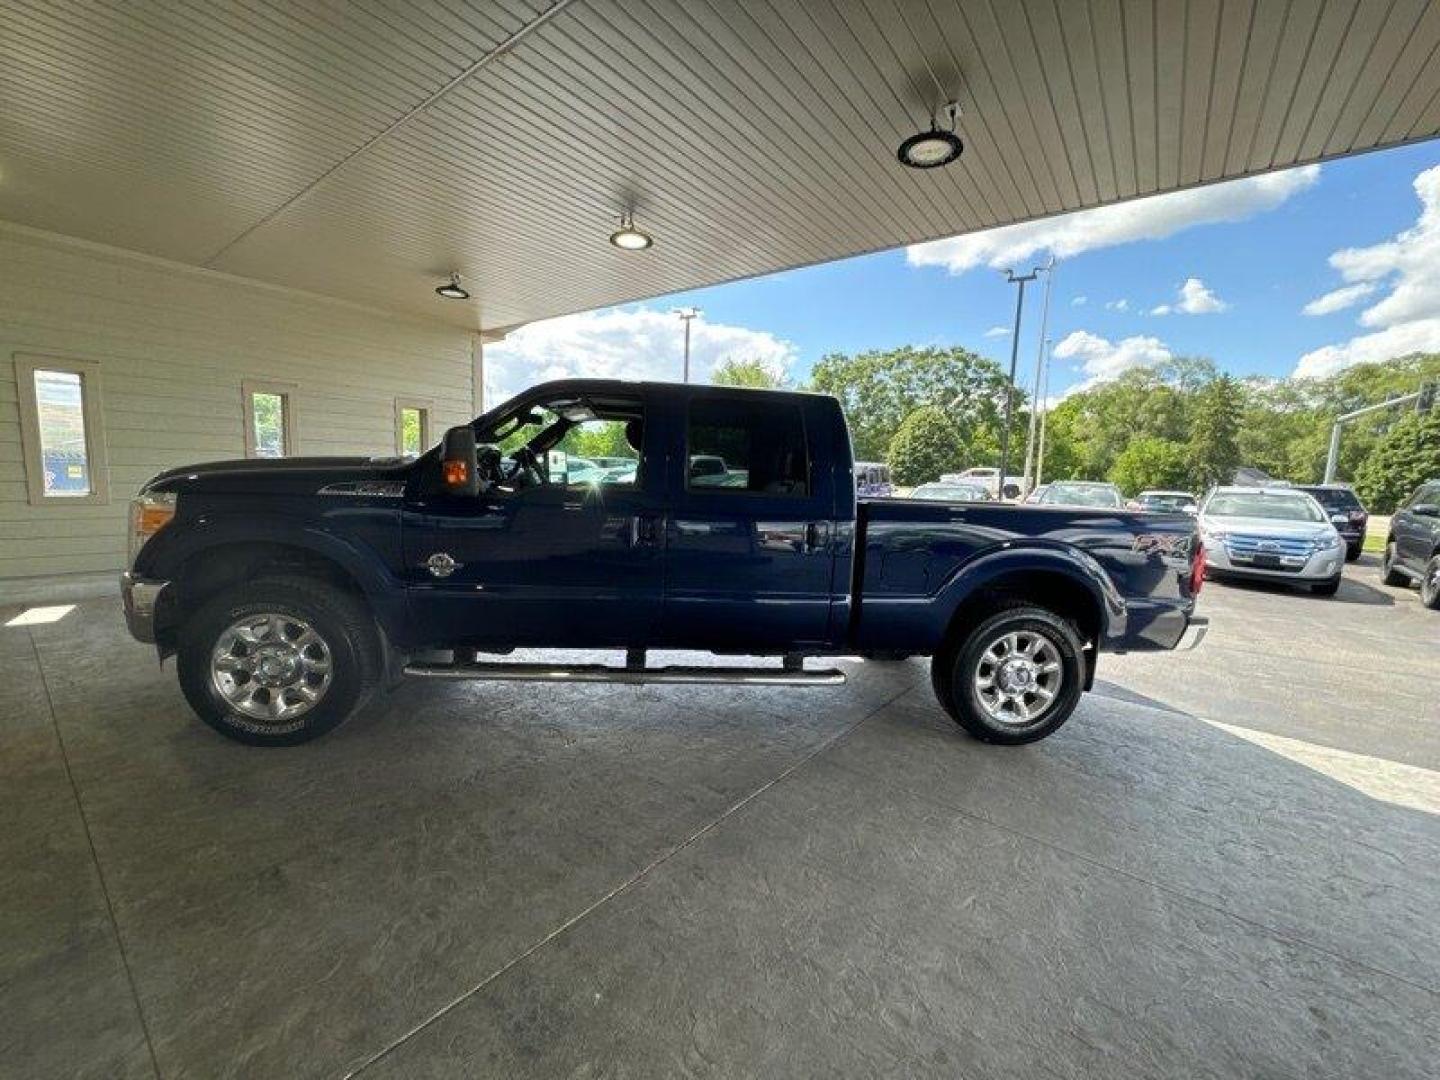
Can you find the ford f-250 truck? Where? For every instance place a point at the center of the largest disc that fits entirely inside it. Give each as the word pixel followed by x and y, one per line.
pixel 291 589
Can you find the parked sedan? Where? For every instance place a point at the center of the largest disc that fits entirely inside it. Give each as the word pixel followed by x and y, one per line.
pixel 1088 493
pixel 1346 513
pixel 1279 534
pixel 1412 550
pixel 943 492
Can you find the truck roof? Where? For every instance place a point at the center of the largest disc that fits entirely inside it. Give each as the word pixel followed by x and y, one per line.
pixel 604 386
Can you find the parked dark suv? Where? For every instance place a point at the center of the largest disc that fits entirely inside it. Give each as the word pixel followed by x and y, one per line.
pixel 1412 550
pixel 1345 513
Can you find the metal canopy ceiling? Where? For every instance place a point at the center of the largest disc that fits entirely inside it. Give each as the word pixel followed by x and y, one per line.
pixel 364 150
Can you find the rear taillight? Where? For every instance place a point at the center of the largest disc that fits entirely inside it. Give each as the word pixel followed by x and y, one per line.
pixel 1197 567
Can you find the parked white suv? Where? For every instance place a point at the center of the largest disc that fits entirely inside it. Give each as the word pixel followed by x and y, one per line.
pixel 1279 534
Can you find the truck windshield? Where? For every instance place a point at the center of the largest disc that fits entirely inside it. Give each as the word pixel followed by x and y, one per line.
pixel 1334 498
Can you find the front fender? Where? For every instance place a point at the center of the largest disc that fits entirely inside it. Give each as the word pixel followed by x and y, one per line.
pixel 366 547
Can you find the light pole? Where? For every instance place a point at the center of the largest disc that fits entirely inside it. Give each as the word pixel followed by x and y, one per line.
pixel 1041 394
pixel 1332 459
pixel 1029 483
pixel 1012 278
pixel 686 314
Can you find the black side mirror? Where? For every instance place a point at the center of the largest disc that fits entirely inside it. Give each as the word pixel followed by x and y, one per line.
pixel 458 472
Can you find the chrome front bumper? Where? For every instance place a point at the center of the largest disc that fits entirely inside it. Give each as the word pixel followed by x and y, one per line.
pixel 142 598
pixel 1319 566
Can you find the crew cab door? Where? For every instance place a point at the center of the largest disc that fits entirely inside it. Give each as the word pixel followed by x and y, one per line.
pixel 555 561
pixel 750 545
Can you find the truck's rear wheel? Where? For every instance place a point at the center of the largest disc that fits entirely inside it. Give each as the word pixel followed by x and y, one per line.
pixel 1013 679
pixel 278 661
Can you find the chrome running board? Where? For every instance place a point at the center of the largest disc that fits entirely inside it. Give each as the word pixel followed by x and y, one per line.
pixel 602 673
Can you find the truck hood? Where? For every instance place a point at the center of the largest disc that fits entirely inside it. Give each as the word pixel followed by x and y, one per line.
pixel 1298 530
pixel 277 475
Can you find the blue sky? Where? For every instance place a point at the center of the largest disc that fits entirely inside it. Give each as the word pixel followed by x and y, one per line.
pixel 1254 252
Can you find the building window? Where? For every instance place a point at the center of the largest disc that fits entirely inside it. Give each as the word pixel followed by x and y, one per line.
pixel 269 419
pixel 62 431
pixel 412 427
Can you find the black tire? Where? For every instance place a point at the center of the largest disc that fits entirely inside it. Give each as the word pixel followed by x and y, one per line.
pixel 1388 574
pixel 346 630
pixel 954 672
pixel 1430 584
pixel 1328 587
pixel 1353 552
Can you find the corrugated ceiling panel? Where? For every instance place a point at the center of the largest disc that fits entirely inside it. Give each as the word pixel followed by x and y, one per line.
pixel 365 149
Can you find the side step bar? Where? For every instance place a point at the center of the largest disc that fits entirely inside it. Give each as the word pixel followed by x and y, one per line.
pixel 517 672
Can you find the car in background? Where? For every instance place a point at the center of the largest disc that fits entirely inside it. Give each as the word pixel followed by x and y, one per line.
pixel 941 491
pixel 1166 502
pixel 1037 493
pixel 1412 550
pixel 872 480
pixel 1092 494
pixel 705 465
pixel 1276 534
pixel 1346 513
pixel 989 478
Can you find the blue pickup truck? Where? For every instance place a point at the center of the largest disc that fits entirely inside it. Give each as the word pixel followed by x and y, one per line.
pixel 290 590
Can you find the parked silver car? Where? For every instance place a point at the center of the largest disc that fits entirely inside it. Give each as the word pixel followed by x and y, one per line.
pixel 1279 534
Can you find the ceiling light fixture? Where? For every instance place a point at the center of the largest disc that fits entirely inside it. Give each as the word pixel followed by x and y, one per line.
pixel 628 237
pixel 453 290
pixel 935 147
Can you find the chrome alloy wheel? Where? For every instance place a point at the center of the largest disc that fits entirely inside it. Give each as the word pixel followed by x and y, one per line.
pixel 272 668
pixel 1018 677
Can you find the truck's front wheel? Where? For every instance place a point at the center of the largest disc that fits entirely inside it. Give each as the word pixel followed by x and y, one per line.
pixel 1014 678
pixel 278 661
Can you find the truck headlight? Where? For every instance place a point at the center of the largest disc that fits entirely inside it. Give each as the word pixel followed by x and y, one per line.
pixel 1326 543
pixel 148 515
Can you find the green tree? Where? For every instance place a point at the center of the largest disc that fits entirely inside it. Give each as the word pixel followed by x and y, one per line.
pixel 878 390
pixel 1214 433
pixel 927 444
pixel 597 438
pixel 1150 462
pixel 751 373
pixel 1406 455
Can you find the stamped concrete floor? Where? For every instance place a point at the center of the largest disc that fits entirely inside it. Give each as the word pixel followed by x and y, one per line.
pixel 1227 864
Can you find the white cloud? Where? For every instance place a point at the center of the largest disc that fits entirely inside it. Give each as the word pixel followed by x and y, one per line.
pixel 1102 359
pixel 1419 335
pixel 1152 218
pixel 997 331
pixel 1117 305
pixel 1079 301
pixel 1339 299
pixel 1195 298
pixel 1407 318
pixel 623 343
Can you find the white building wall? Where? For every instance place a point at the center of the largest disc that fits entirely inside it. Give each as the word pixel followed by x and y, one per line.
pixel 174 344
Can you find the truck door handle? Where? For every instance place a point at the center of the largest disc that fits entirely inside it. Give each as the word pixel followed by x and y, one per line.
pixel 644 530
pixel 817 533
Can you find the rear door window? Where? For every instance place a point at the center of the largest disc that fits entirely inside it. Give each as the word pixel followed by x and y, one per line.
pixel 739 446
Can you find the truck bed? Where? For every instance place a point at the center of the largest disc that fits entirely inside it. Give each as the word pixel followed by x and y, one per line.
pixel 909 554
